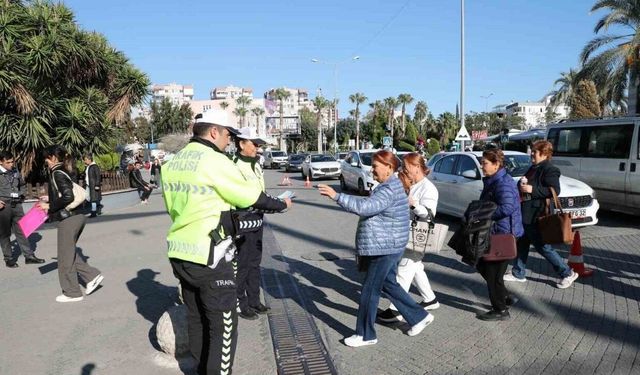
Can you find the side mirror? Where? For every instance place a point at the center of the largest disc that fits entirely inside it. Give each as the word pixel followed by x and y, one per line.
pixel 470 174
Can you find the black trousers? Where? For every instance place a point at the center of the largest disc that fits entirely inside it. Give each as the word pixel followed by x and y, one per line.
pixel 493 273
pixel 249 258
pixel 210 297
pixel 9 217
pixel 144 193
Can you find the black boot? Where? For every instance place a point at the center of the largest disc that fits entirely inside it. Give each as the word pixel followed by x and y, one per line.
pixel 260 308
pixel 32 259
pixel 11 263
pixel 495 315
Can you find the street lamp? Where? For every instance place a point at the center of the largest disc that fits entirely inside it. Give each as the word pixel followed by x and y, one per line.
pixel 335 94
pixel 486 101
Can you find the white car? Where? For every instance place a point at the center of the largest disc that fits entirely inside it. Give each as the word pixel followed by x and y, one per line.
pixel 356 171
pixel 458 178
pixel 275 159
pixel 320 166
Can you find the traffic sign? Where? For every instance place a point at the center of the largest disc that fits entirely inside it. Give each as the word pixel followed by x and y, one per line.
pixel 387 141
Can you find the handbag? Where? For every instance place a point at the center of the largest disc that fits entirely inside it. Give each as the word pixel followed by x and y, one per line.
pixel 502 247
pixel 79 194
pixel 555 227
pixel 426 236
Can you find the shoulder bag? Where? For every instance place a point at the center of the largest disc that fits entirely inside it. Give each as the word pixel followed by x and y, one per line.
pixel 555 227
pixel 79 194
pixel 427 236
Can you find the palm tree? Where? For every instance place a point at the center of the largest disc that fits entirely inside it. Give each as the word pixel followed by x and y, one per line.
pixel 243 101
pixel 257 111
pixel 617 67
pixel 281 94
pixel 357 99
pixel 567 83
pixel 404 99
pixel 241 113
pixel 391 104
pixel 59 83
pixel 224 105
pixel 320 103
pixel 420 113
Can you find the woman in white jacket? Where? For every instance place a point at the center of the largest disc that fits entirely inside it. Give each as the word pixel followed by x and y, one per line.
pixel 423 198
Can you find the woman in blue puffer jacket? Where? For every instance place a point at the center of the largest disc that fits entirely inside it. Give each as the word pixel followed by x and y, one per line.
pixel 500 188
pixel 381 237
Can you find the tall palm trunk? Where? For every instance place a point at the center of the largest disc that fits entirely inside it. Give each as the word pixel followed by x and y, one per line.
pixel 632 100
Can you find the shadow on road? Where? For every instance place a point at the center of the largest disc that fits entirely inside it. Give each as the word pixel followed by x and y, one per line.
pixel 153 298
pixel 87 369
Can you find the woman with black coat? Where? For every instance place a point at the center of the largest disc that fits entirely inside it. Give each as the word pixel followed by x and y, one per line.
pixel 70 226
pixel 535 188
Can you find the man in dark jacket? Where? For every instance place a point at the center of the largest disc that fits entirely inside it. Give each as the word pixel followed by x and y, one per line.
pixel 11 211
pixel 93 183
pixel 535 188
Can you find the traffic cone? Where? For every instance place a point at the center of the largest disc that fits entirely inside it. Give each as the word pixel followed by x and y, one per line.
pixel 307 183
pixel 576 260
pixel 285 181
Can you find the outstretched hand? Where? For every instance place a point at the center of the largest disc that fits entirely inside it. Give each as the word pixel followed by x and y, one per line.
pixel 327 191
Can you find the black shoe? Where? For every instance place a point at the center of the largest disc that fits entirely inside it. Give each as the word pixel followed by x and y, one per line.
pixel 511 300
pixel 390 316
pixel 93 214
pixel 494 315
pixel 431 305
pixel 260 309
pixel 248 314
pixel 11 263
pixel 32 259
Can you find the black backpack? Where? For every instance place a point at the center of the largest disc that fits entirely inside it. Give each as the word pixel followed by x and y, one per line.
pixel 473 237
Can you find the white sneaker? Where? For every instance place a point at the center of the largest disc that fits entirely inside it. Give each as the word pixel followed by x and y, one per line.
pixel 510 277
pixel 567 281
pixel 93 284
pixel 63 298
pixel 356 341
pixel 416 329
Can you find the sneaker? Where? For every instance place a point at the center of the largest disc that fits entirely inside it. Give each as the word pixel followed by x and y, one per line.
pixel 494 315
pixel 416 329
pixel 63 298
pixel 248 314
pixel 510 277
pixel 431 305
pixel 390 316
pixel 260 309
pixel 567 281
pixel 356 341
pixel 93 284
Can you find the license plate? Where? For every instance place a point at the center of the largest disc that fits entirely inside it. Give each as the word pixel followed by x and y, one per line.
pixel 578 214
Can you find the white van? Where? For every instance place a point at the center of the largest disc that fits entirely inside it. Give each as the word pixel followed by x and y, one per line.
pixel 603 153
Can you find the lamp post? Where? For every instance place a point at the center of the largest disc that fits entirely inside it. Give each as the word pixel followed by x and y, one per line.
pixel 335 66
pixel 486 101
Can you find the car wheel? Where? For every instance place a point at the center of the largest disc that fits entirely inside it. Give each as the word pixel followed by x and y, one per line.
pixel 361 189
pixel 343 185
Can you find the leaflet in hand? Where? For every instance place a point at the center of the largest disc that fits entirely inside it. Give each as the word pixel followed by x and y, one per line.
pixel 287 194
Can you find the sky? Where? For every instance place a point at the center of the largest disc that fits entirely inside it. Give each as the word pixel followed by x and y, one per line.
pixel 514 49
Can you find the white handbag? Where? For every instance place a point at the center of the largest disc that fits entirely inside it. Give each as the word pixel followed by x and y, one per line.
pixel 426 236
pixel 79 194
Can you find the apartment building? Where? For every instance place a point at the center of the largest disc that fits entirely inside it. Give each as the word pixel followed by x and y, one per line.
pixel 534 113
pixel 178 94
pixel 230 92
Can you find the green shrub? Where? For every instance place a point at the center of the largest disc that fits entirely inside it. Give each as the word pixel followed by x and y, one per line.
pixel 433 146
pixel 404 146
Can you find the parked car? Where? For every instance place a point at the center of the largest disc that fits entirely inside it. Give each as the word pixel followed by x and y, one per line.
pixel 274 159
pixel 458 178
pixel 320 166
pixel 294 162
pixel 356 171
pixel 341 155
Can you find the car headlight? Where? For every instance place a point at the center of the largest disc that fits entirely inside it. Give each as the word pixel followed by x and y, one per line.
pixel 315 169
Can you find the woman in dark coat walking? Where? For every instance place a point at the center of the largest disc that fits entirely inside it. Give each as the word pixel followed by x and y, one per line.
pixel 155 171
pixel 500 188
pixel 93 184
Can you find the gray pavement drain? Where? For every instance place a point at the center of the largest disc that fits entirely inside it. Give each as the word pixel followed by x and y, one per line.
pixel 298 346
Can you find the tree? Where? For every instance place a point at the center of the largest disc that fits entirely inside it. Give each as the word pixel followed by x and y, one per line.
pixel 611 61
pixel 258 112
pixel 60 84
pixel 433 146
pixel 357 99
pixel 567 82
pixel 242 111
pixel 447 127
pixel 345 131
pixel 281 95
pixel 550 116
pixel 308 128
pixel 320 103
pixel 420 113
pixel 403 100
pixel 168 118
pixel 391 104
pixel 584 101
pixel 224 105
pixel 142 129
pixel 410 139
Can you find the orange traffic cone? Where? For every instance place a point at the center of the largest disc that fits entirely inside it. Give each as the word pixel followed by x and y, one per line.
pixel 285 181
pixel 576 260
pixel 307 183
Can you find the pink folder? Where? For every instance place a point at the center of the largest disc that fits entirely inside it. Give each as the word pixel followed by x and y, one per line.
pixel 32 220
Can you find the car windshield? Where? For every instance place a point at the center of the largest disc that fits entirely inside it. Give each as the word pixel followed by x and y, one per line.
pixel 516 165
pixel 278 153
pixel 319 158
pixel 297 157
pixel 365 158
pixel 435 158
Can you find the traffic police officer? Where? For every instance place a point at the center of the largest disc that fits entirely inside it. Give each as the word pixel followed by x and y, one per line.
pixel 250 245
pixel 11 211
pixel 201 186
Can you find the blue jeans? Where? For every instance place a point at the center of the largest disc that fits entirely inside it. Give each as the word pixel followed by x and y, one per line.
pixel 533 237
pixel 381 277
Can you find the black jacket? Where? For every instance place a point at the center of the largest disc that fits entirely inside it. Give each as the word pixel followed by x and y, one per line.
pixel 545 175
pixel 63 196
pixel 95 183
pixel 135 179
